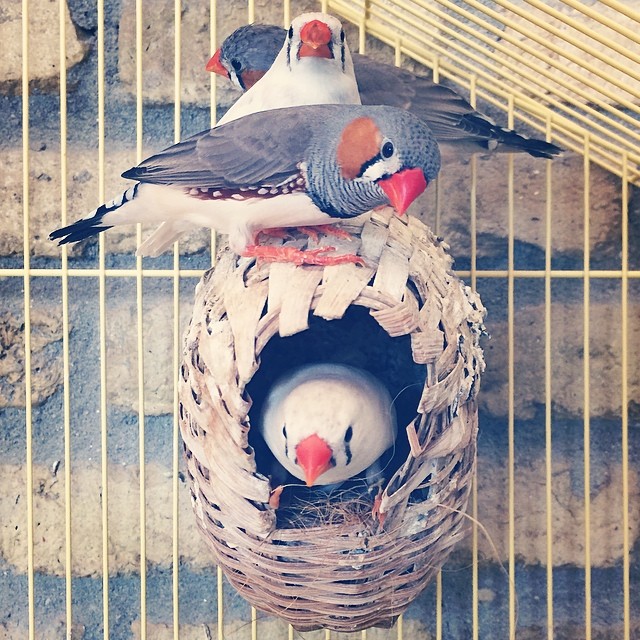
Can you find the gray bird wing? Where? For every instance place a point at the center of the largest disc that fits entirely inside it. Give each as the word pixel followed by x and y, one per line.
pixel 263 149
pixel 440 107
pixel 453 121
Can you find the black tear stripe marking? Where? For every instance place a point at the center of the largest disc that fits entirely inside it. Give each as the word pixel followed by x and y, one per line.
pixel 369 163
pixel 293 185
pixel 347 451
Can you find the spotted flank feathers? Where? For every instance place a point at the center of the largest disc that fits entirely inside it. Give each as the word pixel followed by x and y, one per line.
pixel 290 185
pixel 92 224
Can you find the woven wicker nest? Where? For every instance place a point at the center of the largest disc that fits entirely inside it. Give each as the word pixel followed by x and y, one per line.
pixel 343 571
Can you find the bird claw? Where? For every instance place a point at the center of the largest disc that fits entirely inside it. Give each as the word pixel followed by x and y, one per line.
pixel 275 232
pixel 375 512
pixel 274 497
pixel 328 230
pixel 299 257
pixel 313 232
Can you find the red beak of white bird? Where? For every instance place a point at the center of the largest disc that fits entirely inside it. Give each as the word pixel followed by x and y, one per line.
pixel 326 423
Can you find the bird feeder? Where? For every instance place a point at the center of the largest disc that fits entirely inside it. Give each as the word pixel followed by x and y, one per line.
pixel 251 319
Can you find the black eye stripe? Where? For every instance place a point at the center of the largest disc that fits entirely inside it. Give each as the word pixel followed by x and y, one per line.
pixel 387 147
pixel 348 434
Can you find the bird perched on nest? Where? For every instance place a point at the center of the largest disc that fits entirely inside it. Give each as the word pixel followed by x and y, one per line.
pixel 309 165
pixel 247 55
pixel 313 66
pixel 326 423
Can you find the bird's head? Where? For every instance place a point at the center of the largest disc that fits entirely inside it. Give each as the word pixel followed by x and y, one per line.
pixel 332 425
pixel 247 54
pixel 386 157
pixel 317 432
pixel 315 39
pixel 314 36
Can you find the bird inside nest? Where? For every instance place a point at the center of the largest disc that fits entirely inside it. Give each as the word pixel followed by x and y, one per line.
pixel 325 431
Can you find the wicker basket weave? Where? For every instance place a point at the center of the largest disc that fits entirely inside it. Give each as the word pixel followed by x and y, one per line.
pixel 343 576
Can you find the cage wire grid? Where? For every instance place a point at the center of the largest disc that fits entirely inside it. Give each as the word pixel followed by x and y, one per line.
pixel 451 39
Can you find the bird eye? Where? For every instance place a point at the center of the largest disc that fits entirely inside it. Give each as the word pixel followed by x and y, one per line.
pixel 348 434
pixel 387 149
pixel 342 35
pixel 236 64
pixel 284 431
pixel 290 32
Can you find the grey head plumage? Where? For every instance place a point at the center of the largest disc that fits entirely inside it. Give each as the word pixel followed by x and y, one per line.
pixel 244 51
pixel 352 155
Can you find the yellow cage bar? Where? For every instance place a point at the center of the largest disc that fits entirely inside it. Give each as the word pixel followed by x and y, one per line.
pixel 98 537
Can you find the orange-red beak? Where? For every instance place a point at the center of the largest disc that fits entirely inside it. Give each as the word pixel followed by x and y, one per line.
pixel 314 457
pixel 403 188
pixel 315 37
pixel 215 66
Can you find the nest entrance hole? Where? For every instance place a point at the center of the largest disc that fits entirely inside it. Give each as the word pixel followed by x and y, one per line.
pixel 357 340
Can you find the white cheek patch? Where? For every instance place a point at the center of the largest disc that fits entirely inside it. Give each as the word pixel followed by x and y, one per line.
pixel 381 168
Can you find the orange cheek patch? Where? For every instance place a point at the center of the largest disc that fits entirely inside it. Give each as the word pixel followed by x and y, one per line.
pixel 360 141
pixel 249 78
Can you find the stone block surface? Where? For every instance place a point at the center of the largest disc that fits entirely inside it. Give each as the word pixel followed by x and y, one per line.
pixel 158 344
pixel 567 514
pixel 43 44
pixel 530 202
pixel 82 197
pixel 567 360
pixel 86 526
pixel 46 370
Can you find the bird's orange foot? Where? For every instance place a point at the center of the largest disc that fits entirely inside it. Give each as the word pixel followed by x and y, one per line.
pixel 328 230
pixel 299 257
pixel 274 497
pixel 375 512
pixel 275 232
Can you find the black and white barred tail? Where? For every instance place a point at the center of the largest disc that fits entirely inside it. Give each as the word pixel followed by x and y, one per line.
pixel 93 223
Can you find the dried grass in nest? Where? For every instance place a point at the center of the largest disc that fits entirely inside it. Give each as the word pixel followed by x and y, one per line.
pixel 328 562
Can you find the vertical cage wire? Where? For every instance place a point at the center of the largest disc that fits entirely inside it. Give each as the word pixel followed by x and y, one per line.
pixel 65 321
pixel 586 283
pixel 27 314
pixel 600 140
pixel 548 457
